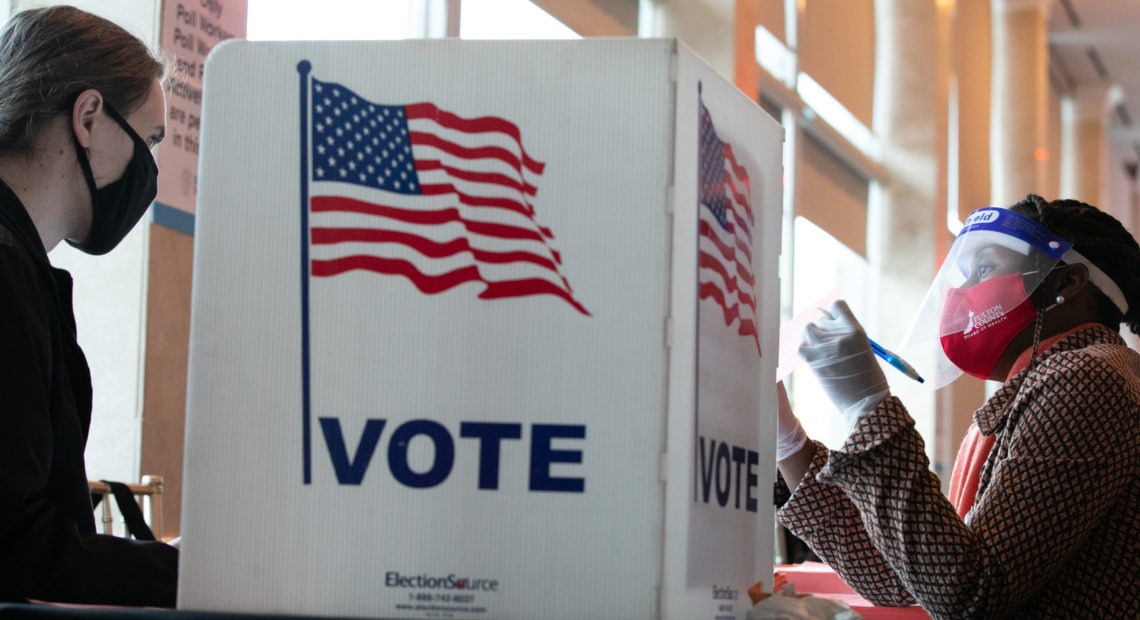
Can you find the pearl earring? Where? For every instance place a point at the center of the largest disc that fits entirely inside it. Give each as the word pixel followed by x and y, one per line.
pixel 1060 299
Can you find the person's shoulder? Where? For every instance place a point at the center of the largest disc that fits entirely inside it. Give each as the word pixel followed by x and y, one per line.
pixel 7 239
pixel 18 270
pixel 11 249
pixel 13 255
pixel 1098 350
pixel 1077 403
pixel 1098 362
pixel 1104 374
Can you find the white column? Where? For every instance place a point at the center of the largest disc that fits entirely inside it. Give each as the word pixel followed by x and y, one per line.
pixel 1084 158
pixel 706 27
pixel 1019 116
pixel 909 207
pixel 972 67
pixel 433 19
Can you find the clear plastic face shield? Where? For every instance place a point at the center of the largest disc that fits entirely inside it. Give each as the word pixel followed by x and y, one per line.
pixel 998 259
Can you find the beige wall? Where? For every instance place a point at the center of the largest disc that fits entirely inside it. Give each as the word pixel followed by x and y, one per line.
pixel 168 336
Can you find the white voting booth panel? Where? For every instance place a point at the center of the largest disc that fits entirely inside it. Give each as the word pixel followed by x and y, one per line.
pixel 481 330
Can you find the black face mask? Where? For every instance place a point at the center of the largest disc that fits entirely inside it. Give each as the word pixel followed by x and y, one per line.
pixel 117 207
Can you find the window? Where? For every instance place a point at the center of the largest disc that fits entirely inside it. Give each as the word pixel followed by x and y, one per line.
pixel 509 19
pixel 329 19
pixel 821 265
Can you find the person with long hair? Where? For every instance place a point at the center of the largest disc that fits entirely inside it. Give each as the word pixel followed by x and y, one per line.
pixel 81 107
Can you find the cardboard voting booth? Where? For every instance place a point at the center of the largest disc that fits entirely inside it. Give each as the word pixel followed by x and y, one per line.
pixel 481 330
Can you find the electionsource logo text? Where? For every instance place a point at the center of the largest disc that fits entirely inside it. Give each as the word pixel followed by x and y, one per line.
pixel 393 579
pixel 725 594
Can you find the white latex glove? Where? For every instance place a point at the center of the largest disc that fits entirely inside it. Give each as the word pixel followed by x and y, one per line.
pixel 790 436
pixel 837 349
pixel 785 605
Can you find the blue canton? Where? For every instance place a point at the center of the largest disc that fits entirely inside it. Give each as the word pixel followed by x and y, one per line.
pixel 711 192
pixel 357 141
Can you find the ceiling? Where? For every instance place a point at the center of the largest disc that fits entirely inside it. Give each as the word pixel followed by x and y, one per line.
pixel 1097 43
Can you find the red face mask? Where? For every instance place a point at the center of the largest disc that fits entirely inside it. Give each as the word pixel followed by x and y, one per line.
pixel 994 312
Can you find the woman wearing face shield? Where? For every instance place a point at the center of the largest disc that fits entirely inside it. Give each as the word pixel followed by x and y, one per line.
pixel 1043 518
pixel 81 105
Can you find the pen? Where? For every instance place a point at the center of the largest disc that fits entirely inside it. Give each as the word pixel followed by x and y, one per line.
pixel 896 361
pixel 888 357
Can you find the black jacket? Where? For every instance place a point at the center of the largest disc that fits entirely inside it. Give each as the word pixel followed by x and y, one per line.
pixel 48 546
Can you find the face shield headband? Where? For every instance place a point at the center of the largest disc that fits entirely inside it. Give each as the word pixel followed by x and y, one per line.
pixel 1100 280
pixel 999 250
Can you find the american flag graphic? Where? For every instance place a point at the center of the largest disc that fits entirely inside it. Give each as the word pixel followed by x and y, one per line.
pixel 420 192
pixel 725 241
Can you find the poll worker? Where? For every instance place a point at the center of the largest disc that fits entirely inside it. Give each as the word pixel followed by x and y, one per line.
pixel 81 106
pixel 1046 522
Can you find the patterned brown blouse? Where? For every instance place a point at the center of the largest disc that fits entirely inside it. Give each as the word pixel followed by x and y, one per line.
pixel 1055 529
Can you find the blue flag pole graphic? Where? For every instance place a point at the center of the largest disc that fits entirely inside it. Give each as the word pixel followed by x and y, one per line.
pixel 303 69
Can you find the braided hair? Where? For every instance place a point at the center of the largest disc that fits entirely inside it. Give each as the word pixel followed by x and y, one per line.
pixel 1103 240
